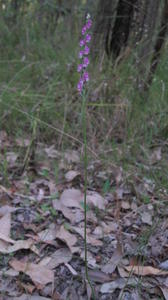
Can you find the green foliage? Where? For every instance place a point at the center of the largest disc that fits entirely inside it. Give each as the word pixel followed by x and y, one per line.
pixel 106 186
pixel 38 59
pixel 48 207
pixel 146 199
pixel 87 206
pixel 45 173
pixel 4 170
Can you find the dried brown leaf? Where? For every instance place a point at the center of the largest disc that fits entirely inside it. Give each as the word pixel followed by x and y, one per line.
pixel 7 209
pixel 122 272
pixel 22 142
pixel 72 198
pixel 72 270
pixel 114 261
pixel 38 274
pixel 90 238
pixel 164 291
pixel 67 237
pixel 3 139
pixel 98 276
pixel 52 152
pixel 91 260
pixel 72 156
pixel 109 227
pixel 94 199
pixel 29 297
pixel 60 256
pixel 164 265
pixel 125 205
pixel 23 244
pixel 71 175
pixel 146 218
pixel 74 216
pixel 156 155
pixel 47 235
pixel 145 270
pixel 11 158
pixel 119 283
pixel 5 225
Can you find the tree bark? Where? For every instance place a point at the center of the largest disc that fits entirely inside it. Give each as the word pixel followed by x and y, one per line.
pixel 146 44
pixel 122 26
pixel 160 41
pixel 103 25
pixel 133 24
pixel 15 9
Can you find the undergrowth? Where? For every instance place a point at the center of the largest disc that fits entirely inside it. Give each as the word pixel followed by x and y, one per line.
pixel 38 80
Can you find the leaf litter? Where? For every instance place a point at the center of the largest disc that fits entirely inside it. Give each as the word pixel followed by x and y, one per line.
pixel 42 227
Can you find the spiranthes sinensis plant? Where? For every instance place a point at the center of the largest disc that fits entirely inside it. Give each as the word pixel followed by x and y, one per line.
pixel 82 89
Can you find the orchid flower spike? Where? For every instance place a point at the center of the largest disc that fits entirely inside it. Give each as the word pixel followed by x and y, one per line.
pixel 83 54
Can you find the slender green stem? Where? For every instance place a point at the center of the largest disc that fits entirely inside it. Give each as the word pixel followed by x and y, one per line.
pixel 85 177
pixel 84 127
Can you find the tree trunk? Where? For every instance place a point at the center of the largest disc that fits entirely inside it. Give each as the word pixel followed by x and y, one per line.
pixel 15 9
pixel 122 26
pixel 146 44
pixel 103 25
pixel 132 24
pixel 160 41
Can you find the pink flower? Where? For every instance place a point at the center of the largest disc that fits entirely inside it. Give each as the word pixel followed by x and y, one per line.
pixel 85 62
pixel 81 81
pixel 84 30
pixel 81 54
pixel 80 85
pixel 80 67
pixel 86 50
pixel 89 24
pixel 88 38
pixel 86 76
pixel 82 43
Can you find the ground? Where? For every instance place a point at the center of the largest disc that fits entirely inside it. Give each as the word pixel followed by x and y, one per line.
pixel 42 224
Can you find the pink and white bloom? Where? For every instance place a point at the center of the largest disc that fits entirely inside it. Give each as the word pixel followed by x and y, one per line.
pixel 85 62
pixel 81 53
pixel 85 50
pixel 82 43
pixel 80 85
pixel 88 38
pixel 80 67
pixel 89 24
pixel 84 29
pixel 86 77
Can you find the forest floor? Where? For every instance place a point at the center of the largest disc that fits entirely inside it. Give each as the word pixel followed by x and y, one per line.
pixel 42 225
pixel 42 171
